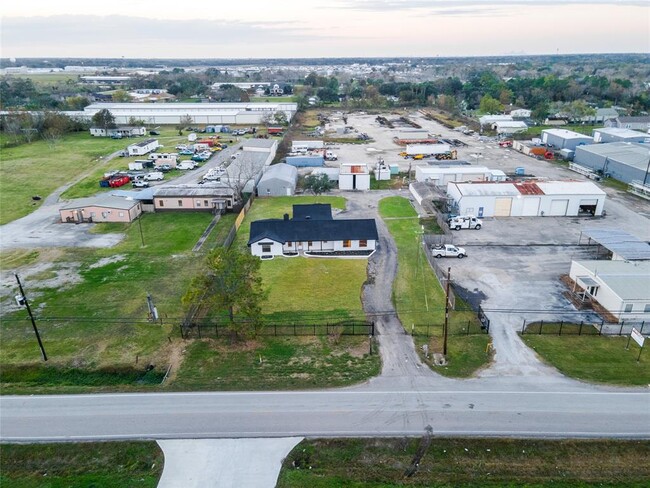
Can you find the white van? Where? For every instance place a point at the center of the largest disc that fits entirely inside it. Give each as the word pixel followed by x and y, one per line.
pixel 154 176
pixel 186 165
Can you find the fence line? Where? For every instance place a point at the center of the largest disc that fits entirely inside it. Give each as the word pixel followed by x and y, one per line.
pixel 441 274
pixel 471 328
pixel 217 329
pixel 564 327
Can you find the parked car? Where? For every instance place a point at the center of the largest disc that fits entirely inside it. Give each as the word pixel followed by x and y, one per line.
pixel 185 152
pixel 164 168
pixel 140 184
pixel 154 176
pixel 154 132
pixel 448 250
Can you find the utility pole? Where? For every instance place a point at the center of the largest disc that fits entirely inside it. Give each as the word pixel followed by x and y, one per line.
pixel 140 225
pixel 22 300
pixel 153 311
pixel 446 325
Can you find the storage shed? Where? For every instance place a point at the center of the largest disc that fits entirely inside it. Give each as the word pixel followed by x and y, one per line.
pixel 526 198
pixel 616 134
pixel 564 139
pixel 277 181
pixel 354 176
pixel 623 161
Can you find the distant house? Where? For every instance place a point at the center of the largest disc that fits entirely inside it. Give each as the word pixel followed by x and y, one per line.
pixel 276 90
pixel 520 113
pixel 641 123
pixel 313 232
pixel 143 147
pixel 278 180
pixel 105 208
pixel 125 131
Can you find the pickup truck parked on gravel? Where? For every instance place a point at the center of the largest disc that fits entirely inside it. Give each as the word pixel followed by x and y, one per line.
pixel 448 251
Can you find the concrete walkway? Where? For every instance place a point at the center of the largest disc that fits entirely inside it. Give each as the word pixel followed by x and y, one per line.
pixel 224 463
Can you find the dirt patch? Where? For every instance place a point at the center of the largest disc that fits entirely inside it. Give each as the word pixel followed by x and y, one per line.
pixel 108 260
pixel 302 376
pixel 247 346
pixel 175 353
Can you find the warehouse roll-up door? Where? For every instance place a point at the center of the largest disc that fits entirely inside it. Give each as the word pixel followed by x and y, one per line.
pixel 502 207
pixel 531 207
pixel 558 207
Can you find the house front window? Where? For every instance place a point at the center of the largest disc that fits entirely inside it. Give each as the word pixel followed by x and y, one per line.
pixel 628 308
pixel 161 203
pixel 289 244
pixel 205 203
pixel 180 203
pixel 347 243
pixel 363 243
pixel 266 248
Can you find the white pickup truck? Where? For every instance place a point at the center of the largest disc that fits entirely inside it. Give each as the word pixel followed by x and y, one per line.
pixel 448 251
pixel 465 222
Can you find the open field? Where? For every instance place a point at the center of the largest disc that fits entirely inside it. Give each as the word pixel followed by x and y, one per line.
pixel 420 300
pixel 38 169
pixel 88 464
pixel 598 359
pixel 46 78
pixel 382 463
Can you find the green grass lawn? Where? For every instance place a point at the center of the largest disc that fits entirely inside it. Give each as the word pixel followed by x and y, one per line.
pixel 88 464
pixel 38 169
pixel 95 331
pixel 277 363
pixel 446 463
pixel 592 358
pixel 419 298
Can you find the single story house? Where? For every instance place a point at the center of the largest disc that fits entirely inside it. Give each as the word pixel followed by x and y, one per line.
pixel 278 180
pixel 143 147
pixel 354 176
pixel 197 198
pixel 104 208
pixel 620 287
pixel 520 113
pixel 526 198
pixel 313 232
pixel 124 131
pixel 641 122
pixel 565 139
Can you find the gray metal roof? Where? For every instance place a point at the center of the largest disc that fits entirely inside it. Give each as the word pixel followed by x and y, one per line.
pixel 281 171
pixel 259 143
pixel 630 153
pixel 627 246
pixel 108 201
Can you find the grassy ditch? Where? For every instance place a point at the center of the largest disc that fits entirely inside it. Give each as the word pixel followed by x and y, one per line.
pixel 88 464
pixel 382 463
pixel 592 358
pixel 38 169
pixel 420 300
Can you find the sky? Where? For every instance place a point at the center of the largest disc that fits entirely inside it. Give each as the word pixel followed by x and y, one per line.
pixel 320 28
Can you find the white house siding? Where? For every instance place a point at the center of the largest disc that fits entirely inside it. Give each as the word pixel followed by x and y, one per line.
pixel 275 248
pixel 354 246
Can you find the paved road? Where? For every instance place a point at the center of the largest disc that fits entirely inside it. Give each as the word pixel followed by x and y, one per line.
pixel 347 413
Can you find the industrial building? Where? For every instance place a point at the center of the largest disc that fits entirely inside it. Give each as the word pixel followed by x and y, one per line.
pixel 640 122
pixel 565 139
pixel 201 113
pixel 443 174
pixel 620 287
pixel 624 161
pixel 304 146
pixel 489 120
pixel 278 180
pixel 354 176
pixel 526 198
pixel 615 134
pixel 268 146
pixel 203 198
pixel 509 127
pixel 305 161
pixel 332 173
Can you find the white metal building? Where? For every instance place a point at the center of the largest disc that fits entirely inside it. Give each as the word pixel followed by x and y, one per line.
pixel 441 175
pixel 509 127
pixel 526 199
pixel 303 146
pixel 616 134
pixel 491 119
pixel 201 113
pixel 621 287
pixel 332 173
pixel 565 139
pixel 354 176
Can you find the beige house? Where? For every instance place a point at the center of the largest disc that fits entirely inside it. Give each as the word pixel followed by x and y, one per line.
pixel 202 198
pixel 106 208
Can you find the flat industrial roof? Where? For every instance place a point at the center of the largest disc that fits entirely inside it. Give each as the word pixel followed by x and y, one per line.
pixel 621 132
pixel 630 153
pixel 566 134
pixel 625 245
pixel 529 187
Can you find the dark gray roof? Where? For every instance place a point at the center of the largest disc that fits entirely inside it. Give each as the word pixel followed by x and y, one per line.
pixel 627 246
pixel 312 230
pixel 314 211
pixel 145 142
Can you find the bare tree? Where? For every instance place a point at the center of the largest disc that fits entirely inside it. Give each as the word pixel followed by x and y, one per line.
pixel 185 121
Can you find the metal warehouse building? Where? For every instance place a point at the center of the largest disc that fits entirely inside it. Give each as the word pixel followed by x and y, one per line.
pixel 565 139
pixel 201 113
pixel 441 175
pixel 278 180
pixel 526 199
pixel 614 134
pixel 623 161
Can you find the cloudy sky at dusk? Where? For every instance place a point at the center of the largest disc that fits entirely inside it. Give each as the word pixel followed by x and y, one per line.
pixel 320 28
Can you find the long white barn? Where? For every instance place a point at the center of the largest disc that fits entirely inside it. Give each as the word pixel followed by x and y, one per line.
pixel 201 113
